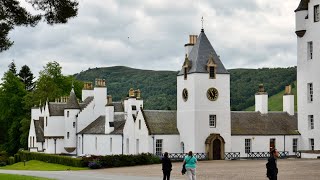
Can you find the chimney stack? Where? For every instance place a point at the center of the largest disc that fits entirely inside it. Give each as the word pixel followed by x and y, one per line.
pixel 288 101
pixel 192 42
pixel 261 100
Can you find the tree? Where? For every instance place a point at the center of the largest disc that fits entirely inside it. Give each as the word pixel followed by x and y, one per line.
pixel 12 68
pixel 12 111
pixel 13 14
pixel 26 77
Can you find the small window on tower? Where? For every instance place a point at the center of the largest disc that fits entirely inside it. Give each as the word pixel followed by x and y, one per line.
pixel 67 113
pixel 46 121
pixel 68 135
pixel 185 73
pixel 310 50
pixel 310 92
pixel 212 121
pixel 74 124
pixel 316 13
pixel 212 72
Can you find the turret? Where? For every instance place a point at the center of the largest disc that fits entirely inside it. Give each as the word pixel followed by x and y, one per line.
pixel 301 18
pixel 70 115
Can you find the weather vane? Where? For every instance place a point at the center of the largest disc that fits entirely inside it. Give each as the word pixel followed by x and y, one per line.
pixel 202 21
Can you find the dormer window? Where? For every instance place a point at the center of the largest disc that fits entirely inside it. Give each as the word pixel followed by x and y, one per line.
pixel 186 66
pixel 316 13
pixel 211 67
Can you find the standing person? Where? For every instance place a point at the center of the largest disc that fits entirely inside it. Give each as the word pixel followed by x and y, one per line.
pixel 272 170
pixel 166 166
pixel 191 164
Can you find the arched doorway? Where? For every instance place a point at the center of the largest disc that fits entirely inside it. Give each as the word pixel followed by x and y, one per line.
pixel 215 147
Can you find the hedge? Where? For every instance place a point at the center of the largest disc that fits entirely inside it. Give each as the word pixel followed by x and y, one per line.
pixel 121 160
pixel 50 158
pixel 4 158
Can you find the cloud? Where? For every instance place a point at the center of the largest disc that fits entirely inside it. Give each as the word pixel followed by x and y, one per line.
pixel 151 35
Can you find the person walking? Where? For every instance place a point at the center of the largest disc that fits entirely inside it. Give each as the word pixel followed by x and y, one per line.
pixel 166 166
pixel 191 164
pixel 272 170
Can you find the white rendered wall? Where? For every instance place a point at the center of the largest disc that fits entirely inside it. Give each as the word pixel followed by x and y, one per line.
pixel 50 147
pixel 288 104
pixel 193 115
pixel 102 145
pixel 55 126
pixel 109 118
pixel 300 20
pixel 310 155
pixel 141 134
pixel 261 103
pixel 262 143
pixel 308 72
pixel 86 93
pixel 170 143
pixel 86 116
pixel 35 113
pixel 100 100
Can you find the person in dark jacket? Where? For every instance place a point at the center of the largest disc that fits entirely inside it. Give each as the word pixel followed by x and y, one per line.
pixel 166 167
pixel 272 170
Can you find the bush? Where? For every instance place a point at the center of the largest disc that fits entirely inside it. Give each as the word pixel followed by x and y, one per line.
pixel 11 160
pixel 95 164
pixel 4 157
pixel 17 158
pixel 3 163
pixel 50 158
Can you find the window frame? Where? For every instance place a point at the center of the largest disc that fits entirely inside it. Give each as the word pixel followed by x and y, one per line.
pixel 68 135
pixel 212 120
pixel 311 143
pixel 311 121
pixel 310 92
pixel 310 50
pixel 295 145
pixel 316 13
pixel 247 145
pixel 185 73
pixel 212 72
pixel 159 146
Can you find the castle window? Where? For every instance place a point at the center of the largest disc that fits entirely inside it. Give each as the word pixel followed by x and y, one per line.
pixel 137 146
pixel 212 73
pixel 311 121
pixel 316 13
pixel 67 113
pixel 159 147
pixel 247 145
pixel 212 121
pixel 310 50
pixel 139 123
pixel 74 124
pixel 46 121
pixel 185 73
pixel 127 145
pixel 311 142
pixel 310 92
pixel 294 145
pixel 68 135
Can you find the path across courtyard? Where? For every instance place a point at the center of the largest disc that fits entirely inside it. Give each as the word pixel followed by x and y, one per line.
pixel 289 169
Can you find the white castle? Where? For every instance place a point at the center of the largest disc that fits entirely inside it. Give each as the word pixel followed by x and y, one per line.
pixel 203 121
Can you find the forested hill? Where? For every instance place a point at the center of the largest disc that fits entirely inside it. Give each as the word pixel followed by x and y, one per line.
pixel 159 87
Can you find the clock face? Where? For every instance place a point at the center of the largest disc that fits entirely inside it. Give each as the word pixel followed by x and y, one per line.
pixel 185 94
pixel 212 94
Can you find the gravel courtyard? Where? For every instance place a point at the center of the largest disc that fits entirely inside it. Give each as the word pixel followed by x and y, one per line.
pixel 238 169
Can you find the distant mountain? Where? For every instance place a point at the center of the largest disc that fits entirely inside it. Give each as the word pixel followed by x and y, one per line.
pixel 159 87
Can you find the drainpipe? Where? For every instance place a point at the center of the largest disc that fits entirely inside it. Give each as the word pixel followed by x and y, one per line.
pixel 284 143
pixel 122 143
pixel 55 146
pixel 82 145
pixel 153 144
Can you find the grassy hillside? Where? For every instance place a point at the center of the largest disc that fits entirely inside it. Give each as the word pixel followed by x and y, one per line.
pixel 159 87
pixel 275 102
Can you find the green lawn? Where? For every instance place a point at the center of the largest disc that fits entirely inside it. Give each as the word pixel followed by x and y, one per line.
pixel 40 166
pixel 20 177
pixel 275 102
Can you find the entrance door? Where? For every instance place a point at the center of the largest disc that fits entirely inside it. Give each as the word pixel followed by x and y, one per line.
pixel 216 149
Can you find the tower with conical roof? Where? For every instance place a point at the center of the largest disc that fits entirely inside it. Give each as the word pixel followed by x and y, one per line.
pixel 203 101
pixel 71 111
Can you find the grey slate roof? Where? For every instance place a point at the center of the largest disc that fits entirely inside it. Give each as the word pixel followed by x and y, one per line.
pixel 200 54
pixel 57 109
pixel 118 107
pixel 39 125
pixel 98 126
pixel 72 102
pixel 161 122
pixel 303 5
pixel 255 123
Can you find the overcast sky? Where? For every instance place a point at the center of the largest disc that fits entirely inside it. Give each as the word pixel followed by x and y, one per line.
pixel 150 34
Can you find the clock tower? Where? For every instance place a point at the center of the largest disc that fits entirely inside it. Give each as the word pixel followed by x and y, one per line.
pixel 203 100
